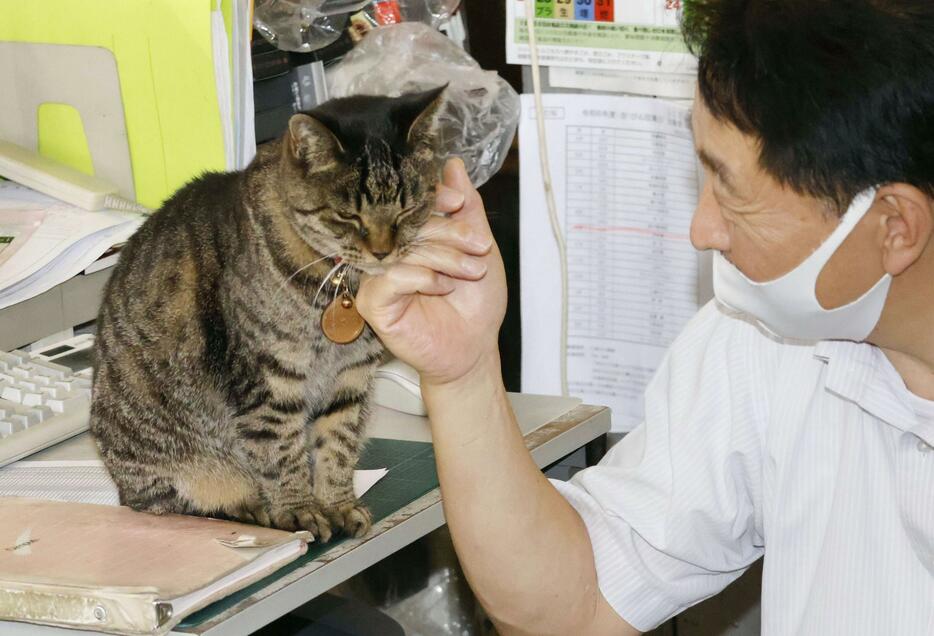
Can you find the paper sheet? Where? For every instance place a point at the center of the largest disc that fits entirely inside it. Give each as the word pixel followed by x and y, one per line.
pixel 16 227
pixel 363 480
pixel 242 68
pixel 87 481
pixel 637 36
pixel 64 244
pixel 220 55
pixel 608 80
pixel 626 183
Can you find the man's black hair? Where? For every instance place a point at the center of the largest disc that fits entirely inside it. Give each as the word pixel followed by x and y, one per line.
pixel 840 93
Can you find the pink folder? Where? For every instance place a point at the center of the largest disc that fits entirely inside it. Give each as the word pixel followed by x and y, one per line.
pixel 112 569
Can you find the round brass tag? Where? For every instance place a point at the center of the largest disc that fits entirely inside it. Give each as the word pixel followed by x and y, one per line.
pixel 341 322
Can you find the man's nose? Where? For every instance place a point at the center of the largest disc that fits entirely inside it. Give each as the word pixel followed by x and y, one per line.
pixel 708 229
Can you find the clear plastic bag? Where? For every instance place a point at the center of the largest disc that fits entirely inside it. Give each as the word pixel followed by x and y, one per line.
pixel 303 25
pixel 431 12
pixel 443 608
pixel 309 25
pixel 479 121
pixel 423 588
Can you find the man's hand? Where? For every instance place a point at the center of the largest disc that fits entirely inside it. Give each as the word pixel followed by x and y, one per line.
pixel 440 310
pixel 441 307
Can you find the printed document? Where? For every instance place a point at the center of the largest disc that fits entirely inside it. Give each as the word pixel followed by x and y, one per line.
pixel 633 46
pixel 626 182
pixel 44 242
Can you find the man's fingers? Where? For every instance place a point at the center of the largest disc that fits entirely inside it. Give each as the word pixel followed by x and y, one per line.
pixel 448 260
pixel 447 199
pixel 466 231
pixel 455 175
pixel 399 281
pixel 457 233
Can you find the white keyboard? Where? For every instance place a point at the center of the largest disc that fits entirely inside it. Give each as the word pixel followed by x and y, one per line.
pixel 41 403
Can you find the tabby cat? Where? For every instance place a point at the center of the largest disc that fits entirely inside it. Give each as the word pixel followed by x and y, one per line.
pixel 215 391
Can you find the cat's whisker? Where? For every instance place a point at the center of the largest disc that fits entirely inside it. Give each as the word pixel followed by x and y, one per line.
pixel 297 272
pixel 411 247
pixel 285 307
pixel 325 280
pixel 424 239
pixel 421 238
pixel 424 243
pixel 426 255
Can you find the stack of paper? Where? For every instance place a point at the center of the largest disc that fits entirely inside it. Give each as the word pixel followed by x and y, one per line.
pixel 233 26
pixel 44 242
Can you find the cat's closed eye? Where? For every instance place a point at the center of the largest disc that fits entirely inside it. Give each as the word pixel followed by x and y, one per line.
pixel 309 211
pixel 348 216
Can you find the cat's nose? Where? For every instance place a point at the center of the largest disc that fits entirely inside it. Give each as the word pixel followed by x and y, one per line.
pixel 380 242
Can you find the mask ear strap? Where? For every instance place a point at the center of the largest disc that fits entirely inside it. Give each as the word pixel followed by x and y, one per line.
pixel 860 205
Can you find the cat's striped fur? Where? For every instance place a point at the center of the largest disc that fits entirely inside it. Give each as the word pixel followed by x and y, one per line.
pixel 215 391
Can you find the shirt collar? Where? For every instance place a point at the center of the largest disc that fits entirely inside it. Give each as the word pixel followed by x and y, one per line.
pixel 860 373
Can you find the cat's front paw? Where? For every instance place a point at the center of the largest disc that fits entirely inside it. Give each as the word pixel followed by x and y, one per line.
pixel 254 511
pixel 350 516
pixel 308 517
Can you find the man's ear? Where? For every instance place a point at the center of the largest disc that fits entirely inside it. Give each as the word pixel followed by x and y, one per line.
pixel 312 143
pixel 429 105
pixel 907 224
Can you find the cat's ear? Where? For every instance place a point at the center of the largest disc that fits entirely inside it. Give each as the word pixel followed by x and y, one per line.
pixel 312 143
pixel 427 107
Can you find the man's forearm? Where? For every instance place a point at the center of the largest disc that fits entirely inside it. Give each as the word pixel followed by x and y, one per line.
pixel 524 549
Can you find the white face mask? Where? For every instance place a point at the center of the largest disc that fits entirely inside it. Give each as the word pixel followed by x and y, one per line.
pixel 788 307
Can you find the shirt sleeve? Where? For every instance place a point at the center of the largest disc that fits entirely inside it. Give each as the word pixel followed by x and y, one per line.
pixel 674 510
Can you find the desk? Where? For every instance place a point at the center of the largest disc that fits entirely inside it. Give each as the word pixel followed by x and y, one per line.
pixel 553 427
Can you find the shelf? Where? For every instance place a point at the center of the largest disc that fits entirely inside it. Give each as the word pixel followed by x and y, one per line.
pixel 72 303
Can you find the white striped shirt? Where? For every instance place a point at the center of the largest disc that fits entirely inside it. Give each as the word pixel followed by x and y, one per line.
pixel 817 457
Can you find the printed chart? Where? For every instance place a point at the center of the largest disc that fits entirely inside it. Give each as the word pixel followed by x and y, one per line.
pixel 625 181
pixel 630 195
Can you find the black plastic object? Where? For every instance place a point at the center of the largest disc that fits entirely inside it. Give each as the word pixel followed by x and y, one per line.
pixel 330 615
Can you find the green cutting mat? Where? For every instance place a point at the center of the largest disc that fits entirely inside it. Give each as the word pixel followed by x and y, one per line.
pixel 411 474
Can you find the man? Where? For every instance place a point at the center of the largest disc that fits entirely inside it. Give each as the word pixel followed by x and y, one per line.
pixel 794 418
